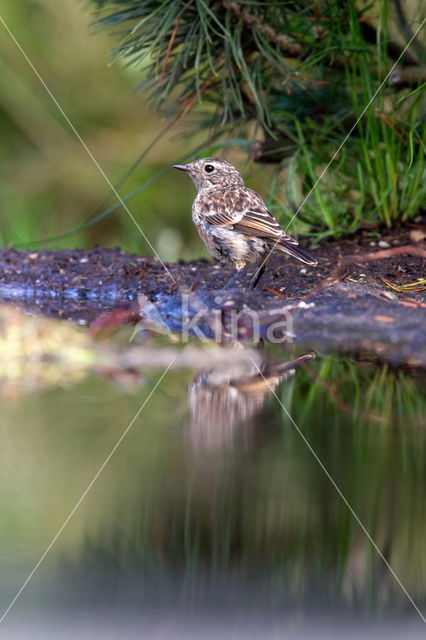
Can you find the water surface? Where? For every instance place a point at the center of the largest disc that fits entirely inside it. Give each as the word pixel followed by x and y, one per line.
pixel 223 512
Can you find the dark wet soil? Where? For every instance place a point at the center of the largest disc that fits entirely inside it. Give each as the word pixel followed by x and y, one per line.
pixel 357 297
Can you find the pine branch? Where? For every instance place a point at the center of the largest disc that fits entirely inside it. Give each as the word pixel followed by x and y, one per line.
pixel 287 44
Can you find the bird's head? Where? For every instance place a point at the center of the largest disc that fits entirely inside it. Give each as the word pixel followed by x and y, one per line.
pixel 211 172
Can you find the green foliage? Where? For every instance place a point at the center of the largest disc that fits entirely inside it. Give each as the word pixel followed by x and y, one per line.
pixel 304 85
pixel 233 54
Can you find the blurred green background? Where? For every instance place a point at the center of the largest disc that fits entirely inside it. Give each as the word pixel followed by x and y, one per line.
pixel 48 182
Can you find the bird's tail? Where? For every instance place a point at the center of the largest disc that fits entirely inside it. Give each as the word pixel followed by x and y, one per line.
pixel 295 252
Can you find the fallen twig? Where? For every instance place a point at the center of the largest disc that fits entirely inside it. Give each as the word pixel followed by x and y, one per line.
pixel 420 285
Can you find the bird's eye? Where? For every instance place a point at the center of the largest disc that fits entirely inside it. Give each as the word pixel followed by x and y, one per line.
pixel 209 168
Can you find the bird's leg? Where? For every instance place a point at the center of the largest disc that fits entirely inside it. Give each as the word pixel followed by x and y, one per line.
pixel 257 275
pixel 232 280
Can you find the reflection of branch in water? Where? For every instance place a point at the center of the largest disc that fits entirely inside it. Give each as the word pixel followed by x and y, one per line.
pixel 222 398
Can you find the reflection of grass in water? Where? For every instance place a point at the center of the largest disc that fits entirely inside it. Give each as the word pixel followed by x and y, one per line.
pixel 364 391
pixel 264 503
pixel 257 521
pixel 264 522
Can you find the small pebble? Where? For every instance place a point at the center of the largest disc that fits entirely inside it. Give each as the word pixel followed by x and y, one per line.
pixel 84 260
pixel 383 244
pixel 373 244
pixel 303 271
pixel 390 295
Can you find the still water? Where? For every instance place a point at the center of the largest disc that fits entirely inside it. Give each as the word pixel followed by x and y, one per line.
pixel 232 496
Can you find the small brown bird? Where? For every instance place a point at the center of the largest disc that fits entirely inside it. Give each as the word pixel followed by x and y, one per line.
pixel 233 220
pixel 225 398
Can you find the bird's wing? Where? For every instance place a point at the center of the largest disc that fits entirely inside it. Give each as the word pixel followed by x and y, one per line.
pixel 246 212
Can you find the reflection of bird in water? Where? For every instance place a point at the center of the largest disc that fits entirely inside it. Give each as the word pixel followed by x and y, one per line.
pixel 220 399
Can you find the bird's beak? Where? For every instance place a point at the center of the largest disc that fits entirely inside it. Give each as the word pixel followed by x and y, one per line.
pixel 181 167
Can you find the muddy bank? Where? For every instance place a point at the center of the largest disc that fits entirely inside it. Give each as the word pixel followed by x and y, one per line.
pixel 366 293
